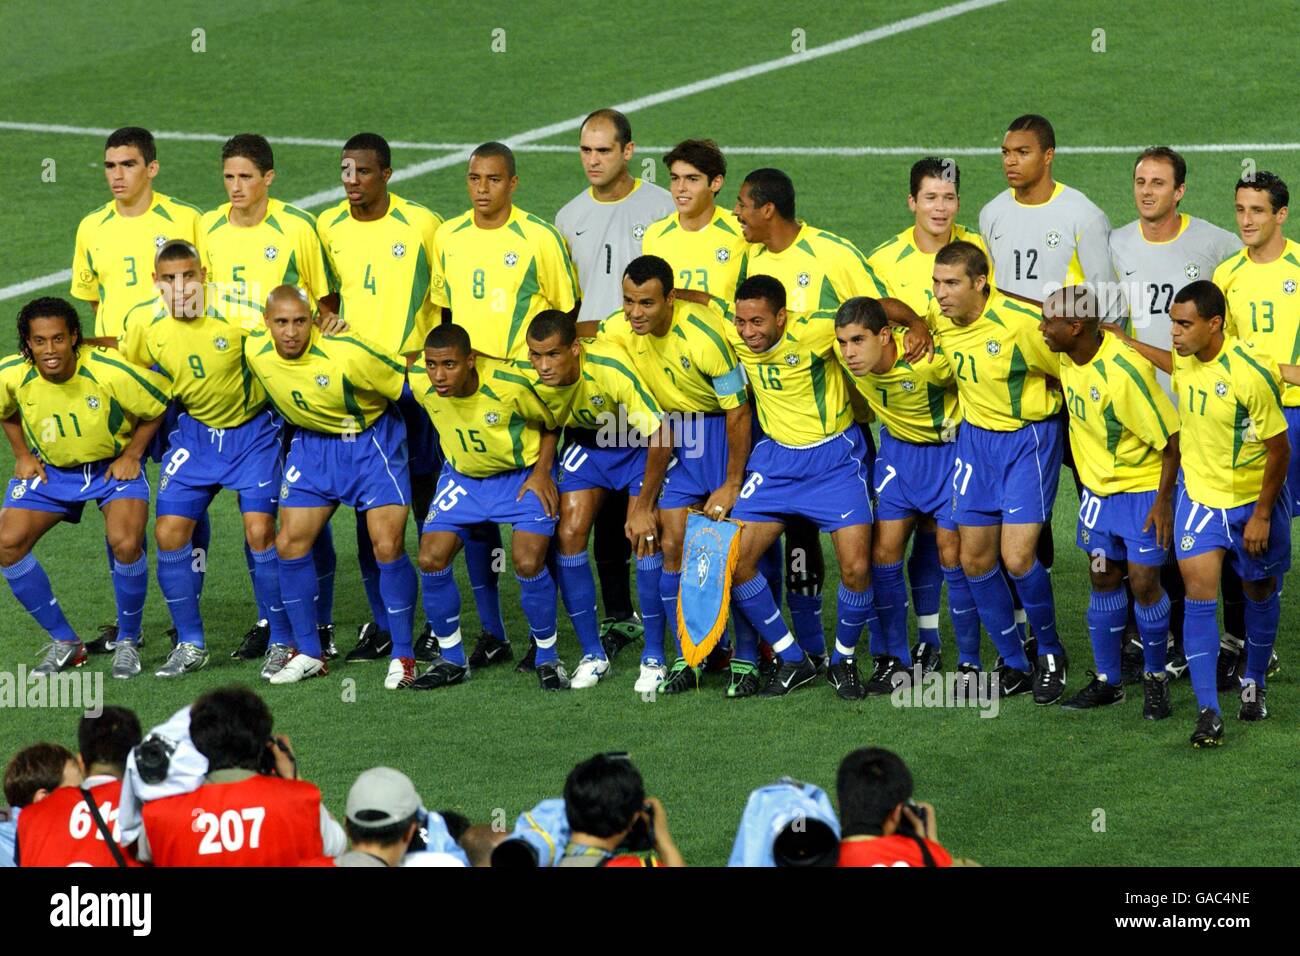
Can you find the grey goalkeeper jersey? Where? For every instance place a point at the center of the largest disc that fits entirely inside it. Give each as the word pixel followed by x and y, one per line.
pixel 1150 274
pixel 604 237
pixel 1037 249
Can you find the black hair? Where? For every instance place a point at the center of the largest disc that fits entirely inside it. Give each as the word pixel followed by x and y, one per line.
pixel 38 767
pixel 136 136
pixel 1166 155
pixel 932 167
pixel 644 268
pixel 871 782
pixel 602 795
pixel 703 154
pixel 174 249
pixel 1206 296
pixel 763 287
pixel 1278 195
pixel 1038 125
pixel 231 726
pixel 373 142
pixel 965 254
pixel 862 310
pixel 46 307
pixel 550 322
pixel 622 128
pixel 448 335
pixel 384 836
pixel 493 148
pixel 108 738
pixel 772 186
pixel 252 147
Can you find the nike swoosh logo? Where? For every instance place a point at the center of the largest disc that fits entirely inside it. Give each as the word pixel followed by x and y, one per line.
pixel 368 500
pixel 1129 272
pixel 262 484
pixel 847 513
pixel 995 238
pixel 1012 511
pixel 1145 550
pixel 578 232
pixel 121 487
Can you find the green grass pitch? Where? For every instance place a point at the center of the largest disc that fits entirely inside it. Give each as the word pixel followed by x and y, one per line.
pixel 1025 788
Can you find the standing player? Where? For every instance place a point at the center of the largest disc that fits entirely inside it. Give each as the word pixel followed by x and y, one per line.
pixel 117 242
pixel 380 249
pixel 349 448
pixel 905 265
pixel 1124 431
pixel 1007 461
pixel 918 410
pixel 591 385
pixel 497 267
pixel 499 440
pixel 250 245
pixel 811 463
pixel 604 226
pixel 78 423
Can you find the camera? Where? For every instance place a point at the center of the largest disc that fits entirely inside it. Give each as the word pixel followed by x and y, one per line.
pixel 641 838
pixel 153 757
pixel 905 826
pixel 266 762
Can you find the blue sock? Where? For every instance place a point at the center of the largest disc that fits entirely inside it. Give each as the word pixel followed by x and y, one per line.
pixel 263 613
pixel 1107 621
pixel 965 616
pixel 669 583
pixel 266 586
pixel 1261 633
pixel 325 561
pixel 201 540
pixel 130 581
pixel 755 602
pixel 1201 645
pixel 442 608
pixel 746 648
pixel 578 589
pixel 852 610
pixel 298 589
pixel 806 621
pixel 1035 590
pixel 992 599
pixel 891 607
pixel 484 581
pixel 177 581
pixel 926 579
pixel 369 575
pixel 31 586
pixel 1022 622
pixel 537 595
pixel 1153 627
pixel 648 572
pixel 400 587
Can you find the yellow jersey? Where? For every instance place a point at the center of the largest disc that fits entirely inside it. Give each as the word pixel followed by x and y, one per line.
pixel 497 428
pixel 202 360
pixel 112 263
pixel 1228 406
pixel 606 383
pixel 92 415
pixel 1002 364
pixel 819 271
pixel 1264 306
pixel 340 385
pixel 384 272
pixel 708 259
pixel 907 273
pixel 1120 419
pixel 691 367
pixel 917 402
pixel 495 280
pixel 245 263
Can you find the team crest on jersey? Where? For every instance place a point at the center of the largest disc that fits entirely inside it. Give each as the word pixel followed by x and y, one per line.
pixel 159 241
pixel 323 381
pixel 598 400
pixel 1053 239
pixel 221 343
pixel 1221 389
pixel 723 254
pixel 1094 393
pixel 511 258
pixel 993 347
pixel 803 279
pixel 270 252
pixel 1188 542
pixel 791 359
pixel 638 231
pixel 399 250
pixel 686 363
pixel 1289 286
pixel 19 490
pixel 1083 535
pixel 162 485
pixel 284 490
pixel 907 385
pixel 491 418
pixel 92 402
pixel 1191 270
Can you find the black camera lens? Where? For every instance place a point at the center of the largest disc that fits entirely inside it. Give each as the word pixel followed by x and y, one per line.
pixel 153 757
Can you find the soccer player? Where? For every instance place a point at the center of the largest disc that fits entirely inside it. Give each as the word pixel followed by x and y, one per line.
pixel 919 413
pixel 811 463
pixel 1007 461
pixel 380 250
pixel 610 417
pixel 701 240
pixel 499 439
pixel 78 423
pixel 116 243
pixel 349 448
pixel 1124 431
pixel 1041 234
pixel 227 437
pixel 905 265
pixel 682 355
pixel 497 267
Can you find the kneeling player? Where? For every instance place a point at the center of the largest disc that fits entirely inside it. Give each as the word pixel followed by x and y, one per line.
pixel 609 416
pixel 78 420
pixel 350 448
pixel 499 440
pixel 1124 434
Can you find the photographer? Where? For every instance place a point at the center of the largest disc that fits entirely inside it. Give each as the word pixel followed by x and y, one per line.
pixel 32 775
pixel 252 810
pixel 383 815
pixel 610 819
pixel 879 822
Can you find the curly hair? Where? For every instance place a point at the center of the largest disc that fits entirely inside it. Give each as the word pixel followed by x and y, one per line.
pixel 47 307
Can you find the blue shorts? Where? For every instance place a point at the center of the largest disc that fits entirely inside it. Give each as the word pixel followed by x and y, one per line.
pixel 1006 477
pixel 66 490
pixel 157 447
pixel 1292 416
pixel 699 466
pixel 424 454
pixel 588 466
pixel 462 502
pixel 825 483
pixel 1198 529
pixel 915 479
pixel 200 461
pixel 363 470
pixel 1113 526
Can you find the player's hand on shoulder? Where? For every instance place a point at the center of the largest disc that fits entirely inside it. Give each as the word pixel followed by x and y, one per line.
pixel 28 466
pixel 330 324
pixel 918 343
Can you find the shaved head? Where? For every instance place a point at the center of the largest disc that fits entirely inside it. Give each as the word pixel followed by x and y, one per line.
pixel 1074 303
pixel 289 295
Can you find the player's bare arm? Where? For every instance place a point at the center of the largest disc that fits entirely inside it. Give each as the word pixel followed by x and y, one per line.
pixel 1162 359
pixel 918 342
pixel 26 465
pixel 739 432
pixel 126 467
pixel 1257 530
pixel 642 525
pixel 1161 515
